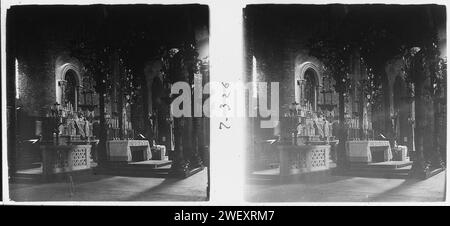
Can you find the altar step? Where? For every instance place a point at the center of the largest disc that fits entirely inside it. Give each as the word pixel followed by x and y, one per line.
pixel 35 175
pixel 388 170
pixel 273 176
pixel 150 168
pixel 27 159
pixel 382 165
pixel 29 164
pixel 152 164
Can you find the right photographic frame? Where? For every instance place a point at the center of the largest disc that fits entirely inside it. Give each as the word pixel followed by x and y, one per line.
pixel 347 104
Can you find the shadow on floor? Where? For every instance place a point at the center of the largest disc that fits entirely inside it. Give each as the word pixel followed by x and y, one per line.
pixel 408 183
pixel 166 183
pixel 313 178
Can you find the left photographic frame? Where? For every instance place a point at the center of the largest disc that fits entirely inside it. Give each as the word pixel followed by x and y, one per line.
pixel 88 102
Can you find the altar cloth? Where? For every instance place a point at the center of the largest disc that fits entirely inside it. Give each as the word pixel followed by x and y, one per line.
pixel 120 150
pixel 360 151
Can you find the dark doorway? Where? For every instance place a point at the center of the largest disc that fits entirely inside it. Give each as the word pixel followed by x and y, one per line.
pixel 310 88
pixel 161 110
pixel 70 93
pixel 402 128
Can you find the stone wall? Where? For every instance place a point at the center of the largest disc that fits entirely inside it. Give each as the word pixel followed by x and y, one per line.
pixel 38 73
pixel 35 84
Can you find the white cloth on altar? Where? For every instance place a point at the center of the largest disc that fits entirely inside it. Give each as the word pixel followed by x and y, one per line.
pixel 359 151
pixel 120 150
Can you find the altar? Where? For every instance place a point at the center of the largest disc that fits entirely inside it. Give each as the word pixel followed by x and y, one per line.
pixel 128 150
pixel 303 158
pixel 65 158
pixel 368 151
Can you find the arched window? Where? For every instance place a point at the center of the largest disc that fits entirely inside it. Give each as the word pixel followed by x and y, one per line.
pixel 310 88
pixel 307 82
pixel 71 89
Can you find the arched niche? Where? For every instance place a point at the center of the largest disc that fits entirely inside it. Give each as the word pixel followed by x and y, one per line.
pixel 307 83
pixel 68 82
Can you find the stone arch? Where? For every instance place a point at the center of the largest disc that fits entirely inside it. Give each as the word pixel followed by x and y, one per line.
pixel 162 130
pixel 300 71
pixel 60 80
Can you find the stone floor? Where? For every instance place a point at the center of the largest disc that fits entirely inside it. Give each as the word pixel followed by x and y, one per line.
pixel 329 188
pixel 115 188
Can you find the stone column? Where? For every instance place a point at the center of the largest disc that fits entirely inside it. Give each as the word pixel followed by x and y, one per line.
pixel 182 126
pixel 426 156
pixel 179 167
pixel 420 168
pixel 196 160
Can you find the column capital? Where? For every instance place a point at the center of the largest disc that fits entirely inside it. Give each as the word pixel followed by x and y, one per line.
pixel 62 83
